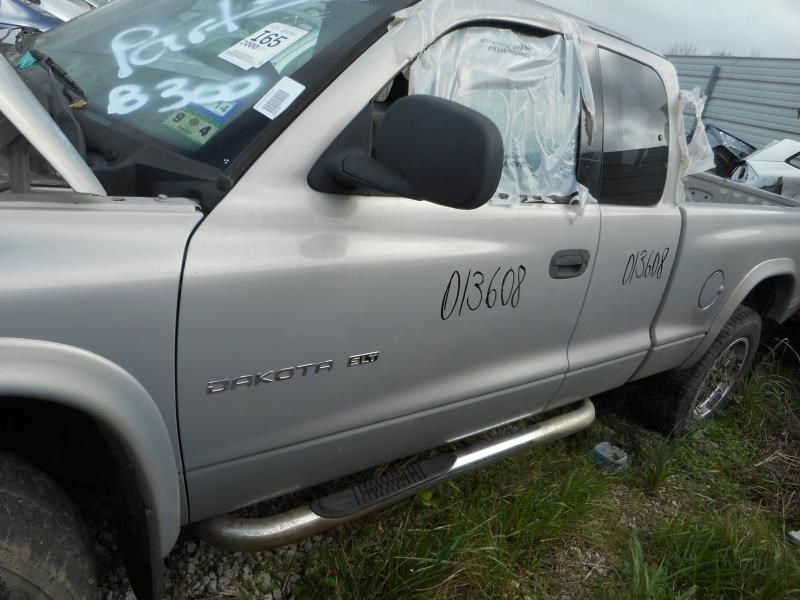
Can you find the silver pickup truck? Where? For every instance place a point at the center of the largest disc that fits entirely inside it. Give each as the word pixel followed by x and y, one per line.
pixel 251 247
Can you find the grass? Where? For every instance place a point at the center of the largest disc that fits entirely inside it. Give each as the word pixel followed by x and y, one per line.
pixel 704 516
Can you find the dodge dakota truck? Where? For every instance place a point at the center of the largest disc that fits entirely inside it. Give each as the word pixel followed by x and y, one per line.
pixel 250 248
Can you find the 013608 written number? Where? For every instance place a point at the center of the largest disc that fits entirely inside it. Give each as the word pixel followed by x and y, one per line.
pixel 645 264
pixel 471 291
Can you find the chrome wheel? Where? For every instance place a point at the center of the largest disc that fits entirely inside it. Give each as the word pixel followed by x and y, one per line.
pixel 721 378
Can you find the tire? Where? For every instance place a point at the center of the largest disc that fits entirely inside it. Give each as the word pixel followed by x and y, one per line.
pixel 44 550
pixel 676 402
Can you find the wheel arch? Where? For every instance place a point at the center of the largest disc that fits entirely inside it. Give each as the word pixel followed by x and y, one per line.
pixel 768 288
pixel 93 386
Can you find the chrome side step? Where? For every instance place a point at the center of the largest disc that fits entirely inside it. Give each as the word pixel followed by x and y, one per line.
pixel 254 535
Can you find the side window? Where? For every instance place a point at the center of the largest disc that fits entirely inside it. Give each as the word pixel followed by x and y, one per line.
pixel 529 87
pixel 795 161
pixel 635 142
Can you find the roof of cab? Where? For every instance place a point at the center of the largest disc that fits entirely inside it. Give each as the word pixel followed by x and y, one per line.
pixel 594 26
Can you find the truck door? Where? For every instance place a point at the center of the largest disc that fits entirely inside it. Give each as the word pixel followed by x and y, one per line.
pixel 641 223
pixel 321 334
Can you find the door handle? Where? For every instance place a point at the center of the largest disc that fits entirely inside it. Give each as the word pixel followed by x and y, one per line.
pixel 569 263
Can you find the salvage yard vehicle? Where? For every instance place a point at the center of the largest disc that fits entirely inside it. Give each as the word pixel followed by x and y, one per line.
pixel 253 247
pixel 774 168
pixel 16 15
pixel 729 151
pixel 40 15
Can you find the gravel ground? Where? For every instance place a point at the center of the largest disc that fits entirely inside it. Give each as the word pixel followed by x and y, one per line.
pixel 195 569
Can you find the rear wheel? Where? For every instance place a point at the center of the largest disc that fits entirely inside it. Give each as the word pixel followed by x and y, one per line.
pixel 678 401
pixel 44 550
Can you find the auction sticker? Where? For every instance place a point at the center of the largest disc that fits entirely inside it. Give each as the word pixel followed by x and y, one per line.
pixel 262 46
pixel 193 125
pixel 279 97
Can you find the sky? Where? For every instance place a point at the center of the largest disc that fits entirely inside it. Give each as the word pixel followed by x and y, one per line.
pixel 769 27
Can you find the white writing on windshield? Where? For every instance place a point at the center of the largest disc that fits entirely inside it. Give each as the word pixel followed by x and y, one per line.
pixel 144 45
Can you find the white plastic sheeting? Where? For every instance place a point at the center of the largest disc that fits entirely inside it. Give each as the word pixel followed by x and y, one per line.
pixel 417 27
pixel 532 87
pixel 697 155
pixel 526 86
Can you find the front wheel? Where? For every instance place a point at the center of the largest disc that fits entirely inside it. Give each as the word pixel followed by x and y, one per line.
pixel 44 551
pixel 678 401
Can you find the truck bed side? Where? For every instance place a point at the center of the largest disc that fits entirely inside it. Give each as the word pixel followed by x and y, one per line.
pixel 738 245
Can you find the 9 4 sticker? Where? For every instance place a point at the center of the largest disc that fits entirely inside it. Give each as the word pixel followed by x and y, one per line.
pixel 193 125
pixel 262 46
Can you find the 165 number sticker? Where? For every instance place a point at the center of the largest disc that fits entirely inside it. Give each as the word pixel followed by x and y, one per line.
pixel 475 289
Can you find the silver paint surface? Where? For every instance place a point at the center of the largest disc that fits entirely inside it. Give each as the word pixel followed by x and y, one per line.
pixel 340 273
pixel 100 277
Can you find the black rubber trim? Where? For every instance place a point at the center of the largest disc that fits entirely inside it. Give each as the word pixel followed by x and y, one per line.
pixel 394 485
pixel 567 264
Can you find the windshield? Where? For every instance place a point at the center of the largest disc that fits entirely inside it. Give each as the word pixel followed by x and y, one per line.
pixel 203 78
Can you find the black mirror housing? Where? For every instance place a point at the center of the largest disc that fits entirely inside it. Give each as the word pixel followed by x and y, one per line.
pixel 426 148
pixel 448 153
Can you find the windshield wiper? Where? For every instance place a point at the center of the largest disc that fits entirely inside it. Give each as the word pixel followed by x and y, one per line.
pixel 62 74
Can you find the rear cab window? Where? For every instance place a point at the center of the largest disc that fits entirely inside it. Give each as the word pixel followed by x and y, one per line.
pixel 636 132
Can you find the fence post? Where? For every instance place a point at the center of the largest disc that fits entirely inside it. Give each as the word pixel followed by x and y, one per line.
pixel 710 85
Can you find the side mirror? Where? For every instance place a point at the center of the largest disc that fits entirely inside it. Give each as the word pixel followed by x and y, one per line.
pixel 426 148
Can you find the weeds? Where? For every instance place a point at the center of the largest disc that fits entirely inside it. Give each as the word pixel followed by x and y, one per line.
pixel 455 561
pixel 650 583
pixel 733 552
pixel 658 469
pixel 700 517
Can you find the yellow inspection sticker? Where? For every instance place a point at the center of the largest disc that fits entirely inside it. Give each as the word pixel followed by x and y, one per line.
pixel 192 124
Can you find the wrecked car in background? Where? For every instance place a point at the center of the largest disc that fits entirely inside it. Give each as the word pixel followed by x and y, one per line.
pixel 283 242
pixel 69 9
pixel 39 15
pixel 729 150
pixel 17 15
pixel 774 168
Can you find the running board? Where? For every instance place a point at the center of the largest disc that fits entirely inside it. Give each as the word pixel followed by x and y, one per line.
pixel 254 535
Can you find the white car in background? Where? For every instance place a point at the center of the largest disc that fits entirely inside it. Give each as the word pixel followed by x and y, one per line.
pixel 19 17
pixel 66 10
pixel 775 168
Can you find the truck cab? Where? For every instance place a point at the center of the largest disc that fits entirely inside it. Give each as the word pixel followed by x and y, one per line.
pixel 262 246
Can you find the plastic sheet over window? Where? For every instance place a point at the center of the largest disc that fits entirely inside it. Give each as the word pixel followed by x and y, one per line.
pixel 529 87
pixel 510 77
pixel 417 27
pixel 697 155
